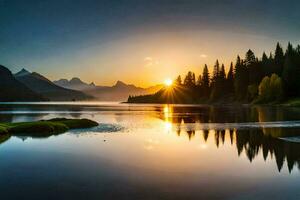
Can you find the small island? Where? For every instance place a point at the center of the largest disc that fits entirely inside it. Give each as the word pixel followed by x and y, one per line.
pixel 44 128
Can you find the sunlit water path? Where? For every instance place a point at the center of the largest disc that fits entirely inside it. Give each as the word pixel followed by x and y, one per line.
pixel 154 152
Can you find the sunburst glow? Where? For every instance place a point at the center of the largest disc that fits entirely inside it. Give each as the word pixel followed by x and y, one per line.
pixel 168 82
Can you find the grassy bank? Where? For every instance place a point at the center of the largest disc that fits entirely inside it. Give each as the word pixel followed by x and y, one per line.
pixel 44 128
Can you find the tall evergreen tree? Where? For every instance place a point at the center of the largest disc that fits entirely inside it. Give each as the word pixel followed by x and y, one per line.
pixel 178 80
pixel 205 81
pixel 230 79
pixel 265 64
pixel 218 81
pixel 264 58
pixel 241 79
pixel 278 60
pixel 189 80
pixel 253 68
pixel 216 72
pixel 250 58
pixel 222 73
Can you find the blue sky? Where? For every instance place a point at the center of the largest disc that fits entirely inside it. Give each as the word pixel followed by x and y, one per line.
pixel 140 42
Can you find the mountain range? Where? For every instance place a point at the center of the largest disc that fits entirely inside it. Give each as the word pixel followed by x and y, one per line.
pixel 32 86
pixel 74 84
pixel 13 90
pixel 43 86
pixel 118 92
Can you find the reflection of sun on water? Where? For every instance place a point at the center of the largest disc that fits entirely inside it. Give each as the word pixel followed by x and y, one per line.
pixel 202 146
pixel 168 118
pixel 168 126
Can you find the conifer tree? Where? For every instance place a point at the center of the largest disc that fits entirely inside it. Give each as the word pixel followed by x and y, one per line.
pixel 178 80
pixel 189 80
pixel 230 79
pixel 278 60
pixel 205 81
pixel 238 88
pixel 216 72
pixel 250 58
pixel 222 73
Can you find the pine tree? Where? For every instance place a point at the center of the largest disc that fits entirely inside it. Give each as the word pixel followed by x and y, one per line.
pixel 216 72
pixel 222 73
pixel 250 58
pixel 178 81
pixel 230 79
pixel 265 64
pixel 278 60
pixel 189 80
pixel 218 81
pixel 241 79
pixel 254 68
pixel 205 81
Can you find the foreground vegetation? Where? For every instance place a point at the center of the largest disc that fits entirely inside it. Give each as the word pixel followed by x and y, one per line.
pixel 269 79
pixel 44 128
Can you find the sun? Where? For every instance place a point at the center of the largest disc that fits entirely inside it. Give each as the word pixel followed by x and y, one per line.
pixel 168 82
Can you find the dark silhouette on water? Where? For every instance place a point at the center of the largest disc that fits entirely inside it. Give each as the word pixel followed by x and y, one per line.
pixel 254 142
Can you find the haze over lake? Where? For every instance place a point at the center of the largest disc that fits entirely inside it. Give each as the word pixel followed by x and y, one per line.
pixel 154 152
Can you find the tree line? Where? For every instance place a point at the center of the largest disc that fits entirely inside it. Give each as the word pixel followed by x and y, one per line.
pixel 270 78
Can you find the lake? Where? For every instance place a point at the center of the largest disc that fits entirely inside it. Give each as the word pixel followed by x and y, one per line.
pixel 154 152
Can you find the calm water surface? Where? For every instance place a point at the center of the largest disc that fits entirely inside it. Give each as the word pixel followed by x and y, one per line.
pixel 154 152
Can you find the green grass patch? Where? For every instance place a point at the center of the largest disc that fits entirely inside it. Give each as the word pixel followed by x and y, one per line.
pixel 41 128
pixel 75 123
pixel 45 128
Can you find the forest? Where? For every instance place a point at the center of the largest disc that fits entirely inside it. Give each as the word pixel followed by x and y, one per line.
pixel 272 78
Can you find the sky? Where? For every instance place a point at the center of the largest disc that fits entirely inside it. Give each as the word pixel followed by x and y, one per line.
pixel 138 41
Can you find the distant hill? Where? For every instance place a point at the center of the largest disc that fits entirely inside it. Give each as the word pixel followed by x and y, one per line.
pixel 118 92
pixel 74 84
pixel 13 90
pixel 43 86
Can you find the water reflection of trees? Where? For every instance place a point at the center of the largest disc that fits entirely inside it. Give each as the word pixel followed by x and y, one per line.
pixel 253 143
pixel 228 114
